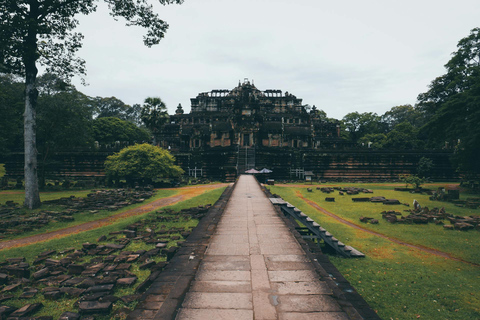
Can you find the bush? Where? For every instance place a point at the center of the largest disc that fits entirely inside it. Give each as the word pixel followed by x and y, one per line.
pixel 142 163
pixel 411 179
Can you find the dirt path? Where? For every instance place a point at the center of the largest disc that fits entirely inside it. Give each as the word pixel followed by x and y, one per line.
pixel 398 184
pixel 185 194
pixel 353 225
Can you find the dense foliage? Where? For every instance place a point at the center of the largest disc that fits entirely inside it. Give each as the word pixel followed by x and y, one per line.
pixel 36 32
pixel 67 119
pixel 154 114
pixel 452 105
pixel 110 130
pixel 142 163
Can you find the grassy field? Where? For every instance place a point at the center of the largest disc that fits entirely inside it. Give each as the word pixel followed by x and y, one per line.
pixel 81 217
pixel 397 281
pixel 55 308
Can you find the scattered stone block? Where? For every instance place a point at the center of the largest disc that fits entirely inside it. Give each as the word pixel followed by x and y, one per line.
pixel 126 281
pixel 89 246
pixel 20 270
pixel 115 246
pixel 28 293
pixel 130 298
pixel 391 202
pixel 462 226
pixel 72 292
pixel 5 311
pixel 101 288
pixel 5 297
pixel 360 199
pixel 15 260
pixel 12 287
pixel 132 258
pixel 90 307
pixel 47 253
pixel 76 269
pixel 161 245
pixel 147 265
pixel 26 310
pixel 69 316
pixel 53 295
pixel 3 278
pixel 123 266
pixel 365 219
pixel 130 233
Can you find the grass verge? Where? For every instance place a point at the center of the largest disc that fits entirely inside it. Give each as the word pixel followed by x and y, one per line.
pixel 57 307
pixel 397 281
pixel 80 217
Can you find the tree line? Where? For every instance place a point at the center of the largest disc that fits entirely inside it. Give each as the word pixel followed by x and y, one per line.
pixel 446 116
pixel 67 119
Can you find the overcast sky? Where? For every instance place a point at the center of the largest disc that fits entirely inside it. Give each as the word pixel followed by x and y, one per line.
pixel 342 56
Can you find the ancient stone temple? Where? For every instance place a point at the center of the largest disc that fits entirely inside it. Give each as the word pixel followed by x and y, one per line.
pixel 232 129
pixel 248 117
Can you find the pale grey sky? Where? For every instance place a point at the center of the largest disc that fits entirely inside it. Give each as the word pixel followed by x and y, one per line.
pixel 341 56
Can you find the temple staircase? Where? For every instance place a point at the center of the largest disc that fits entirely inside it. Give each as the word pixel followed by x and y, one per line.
pixel 245 159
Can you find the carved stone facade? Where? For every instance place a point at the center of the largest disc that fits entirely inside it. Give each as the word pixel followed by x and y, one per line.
pixel 248 117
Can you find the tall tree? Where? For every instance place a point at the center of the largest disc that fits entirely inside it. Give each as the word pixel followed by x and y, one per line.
pixel 114 107
pixel 360 124
pixel 154 115
pixel 452 104
pixel 64 119
pixel 399 114
pixel 42 31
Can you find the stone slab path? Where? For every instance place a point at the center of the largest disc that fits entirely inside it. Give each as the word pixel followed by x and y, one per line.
pixel 254 268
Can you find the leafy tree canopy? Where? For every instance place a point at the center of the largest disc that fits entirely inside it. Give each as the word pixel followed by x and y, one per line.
pixel 142 162
pixel 404 136
pixel 114 107
pixel 154 113
pixel 64 116
pixel 424 167
pixel 11 110
pixel 452 104
pixel 360 124
pixel 110 129
pixel 373 140
pixel 51 24
pixel 403 113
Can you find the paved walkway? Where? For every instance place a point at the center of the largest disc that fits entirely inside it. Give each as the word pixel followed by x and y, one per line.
pixel 254 268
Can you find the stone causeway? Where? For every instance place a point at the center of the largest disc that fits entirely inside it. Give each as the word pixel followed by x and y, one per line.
pixel 246 261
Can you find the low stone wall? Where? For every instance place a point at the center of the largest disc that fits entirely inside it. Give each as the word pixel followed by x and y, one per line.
pixel 221 163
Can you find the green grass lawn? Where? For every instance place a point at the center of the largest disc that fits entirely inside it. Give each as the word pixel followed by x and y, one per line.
pixel 55 308
pixel 397 281
pixel 80 217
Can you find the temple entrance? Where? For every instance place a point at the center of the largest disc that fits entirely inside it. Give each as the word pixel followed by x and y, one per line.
pixel 246 139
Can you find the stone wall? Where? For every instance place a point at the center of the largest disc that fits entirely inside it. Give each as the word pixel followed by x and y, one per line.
pixel 221 163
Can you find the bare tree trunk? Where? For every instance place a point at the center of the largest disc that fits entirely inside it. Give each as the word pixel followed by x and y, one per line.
pixel 32 195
